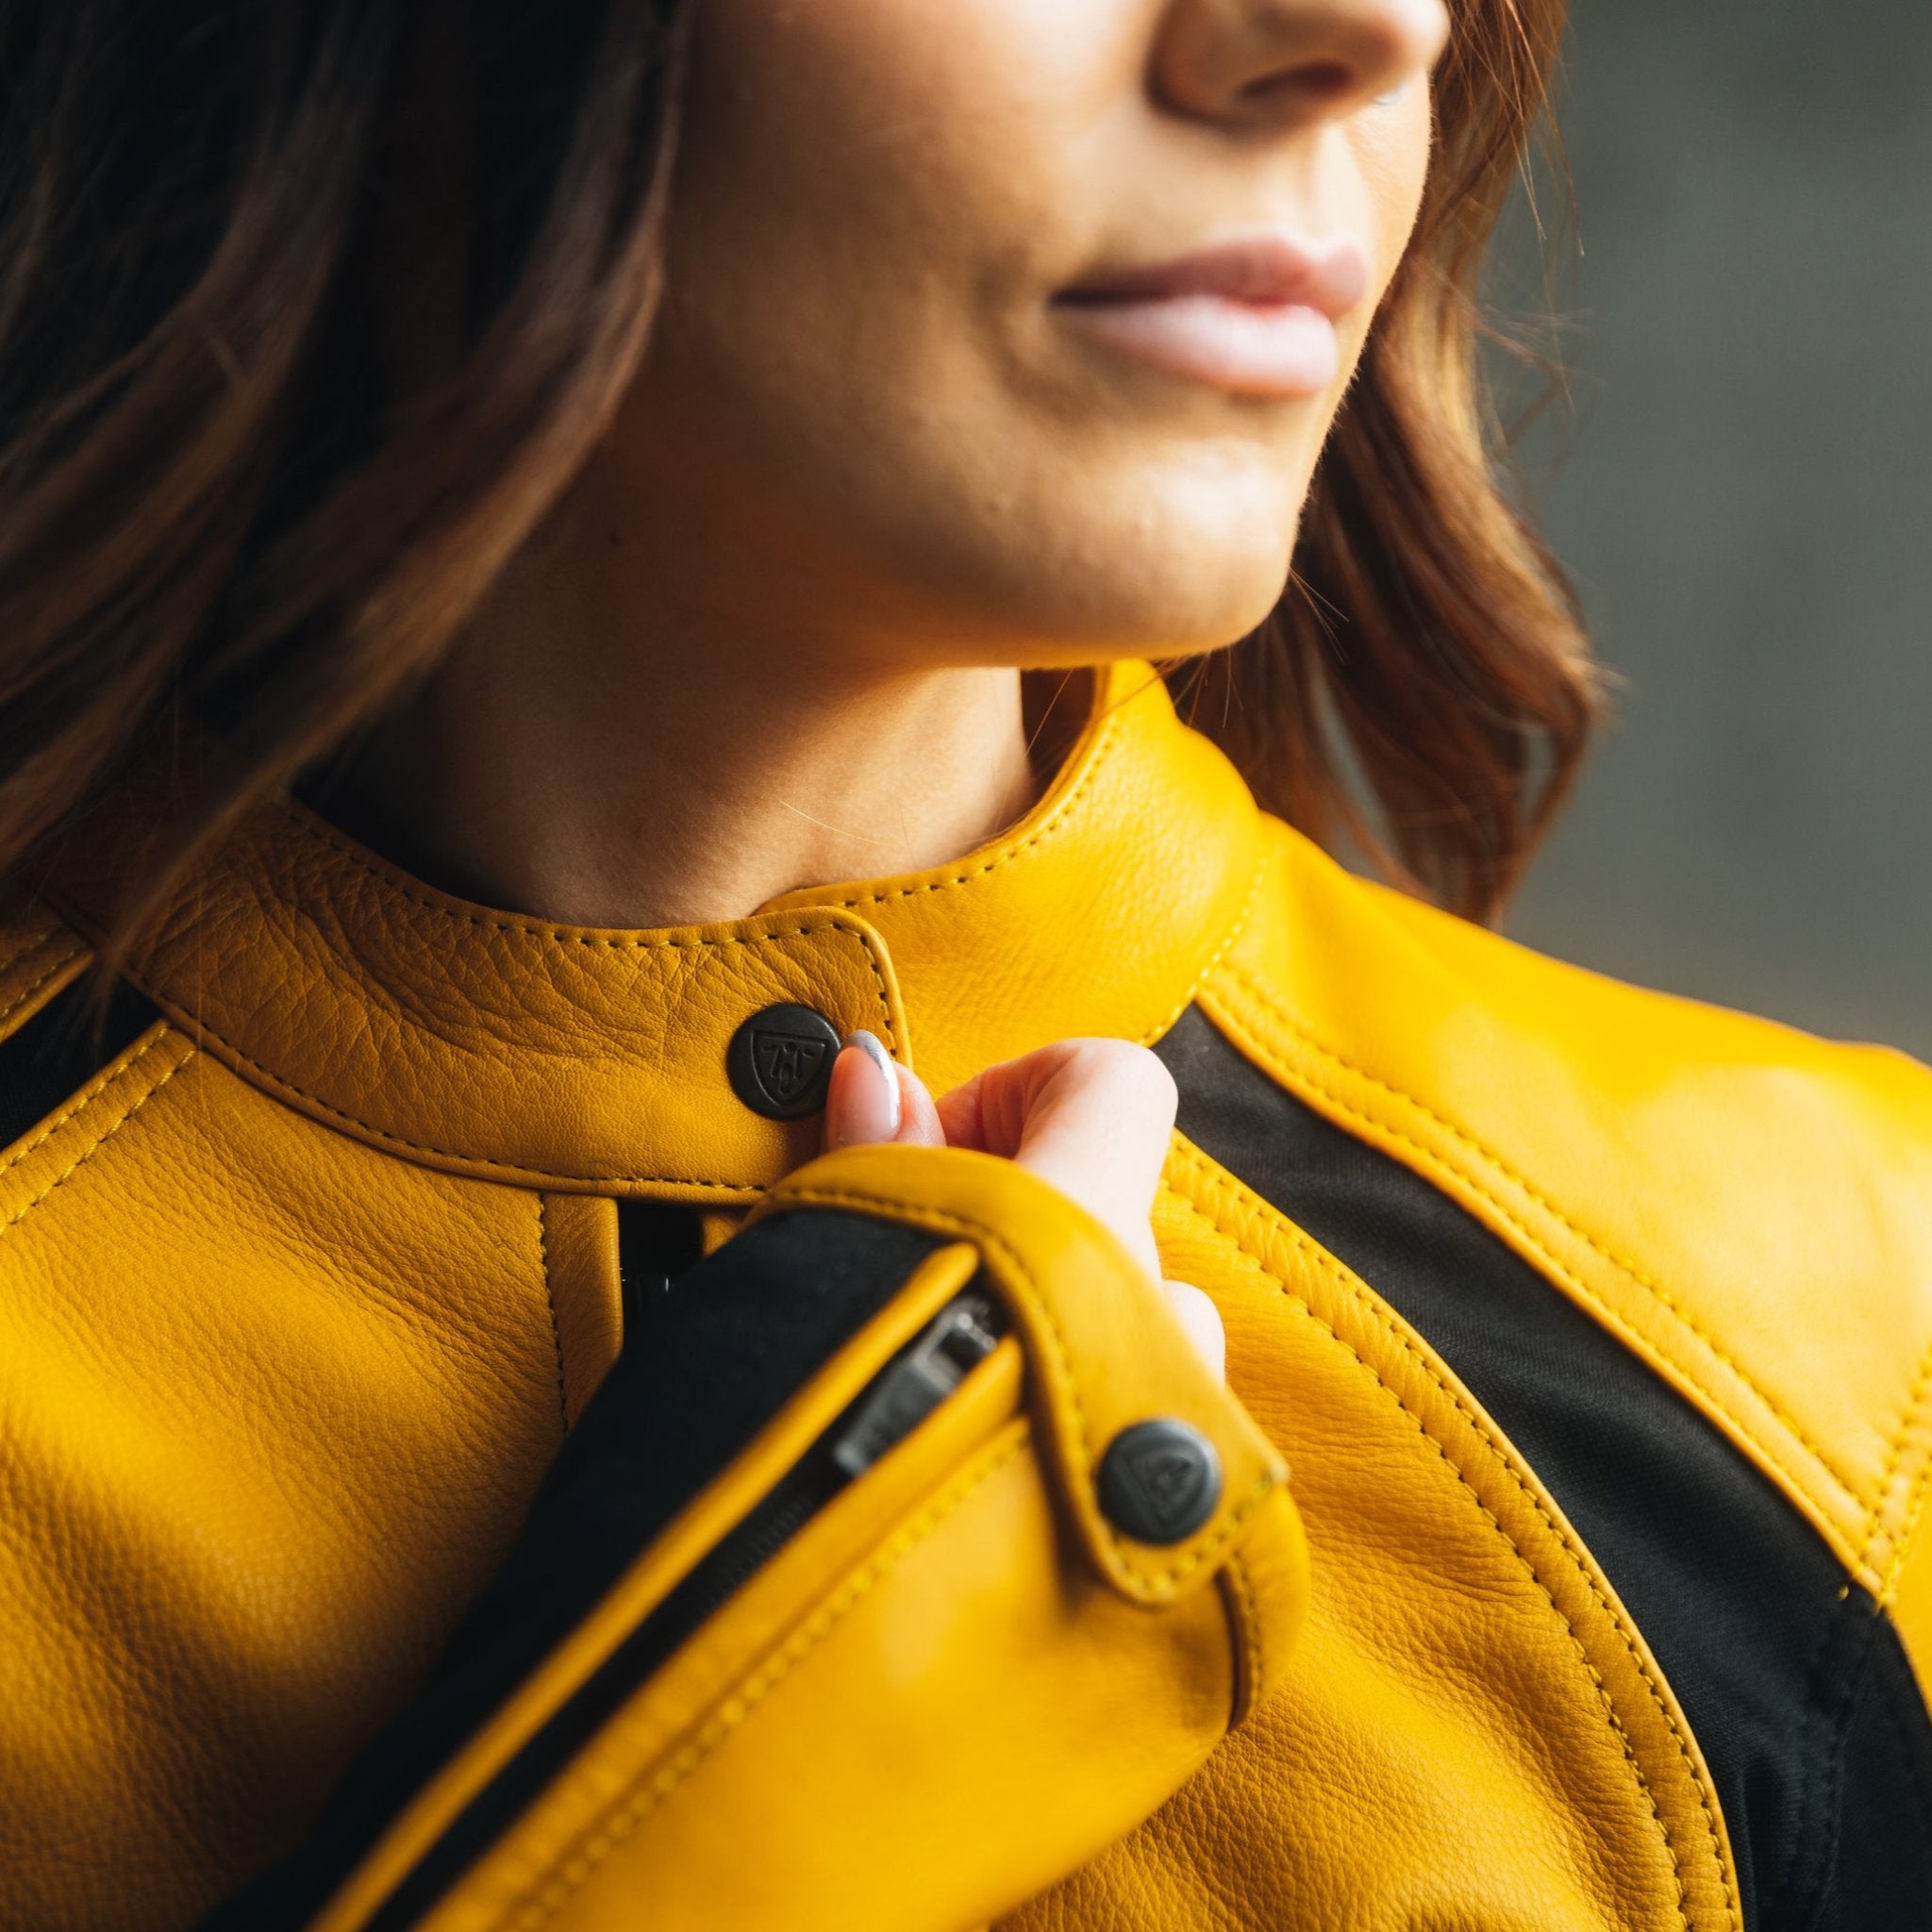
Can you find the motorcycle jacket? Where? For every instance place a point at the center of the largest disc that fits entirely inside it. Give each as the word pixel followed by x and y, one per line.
pixel 470 1463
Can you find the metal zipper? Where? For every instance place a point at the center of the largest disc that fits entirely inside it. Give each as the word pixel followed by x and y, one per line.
pixel 897 1399
pixel 904 1391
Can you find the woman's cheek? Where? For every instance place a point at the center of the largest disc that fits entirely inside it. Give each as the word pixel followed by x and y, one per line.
pixel 1393 145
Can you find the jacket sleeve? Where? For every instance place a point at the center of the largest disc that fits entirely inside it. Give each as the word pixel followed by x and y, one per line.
pixel 920 1561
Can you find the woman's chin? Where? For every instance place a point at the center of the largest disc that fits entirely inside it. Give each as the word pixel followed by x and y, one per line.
pixel 1170 601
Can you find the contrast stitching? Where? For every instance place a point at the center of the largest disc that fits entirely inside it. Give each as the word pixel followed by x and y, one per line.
pixel 108 1073
pixel 1097 755
pixel 282 1085
pixel 1922 1384
pixel 66 959
pixel 615 943
pixel 31 939
pixel 1242 1591
pixel 1629 1269
pixel 95 1146
pixel 1358 1292
pixel 624 1818
pixel 1060 1371
pixel 550 1302
pixel 50 933
pixel 1324 1261
pixel 1908 1524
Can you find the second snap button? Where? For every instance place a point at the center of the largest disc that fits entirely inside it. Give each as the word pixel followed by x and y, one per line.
pixel 1159 1481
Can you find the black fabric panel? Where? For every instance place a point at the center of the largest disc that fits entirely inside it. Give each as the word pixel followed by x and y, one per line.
pixel 656 1242
pixel 45 1063
pixel 1802 1702
pixel 1878 1848
pixel 739 1334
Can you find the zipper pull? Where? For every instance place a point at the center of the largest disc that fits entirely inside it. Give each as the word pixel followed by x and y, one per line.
pixel 954 1343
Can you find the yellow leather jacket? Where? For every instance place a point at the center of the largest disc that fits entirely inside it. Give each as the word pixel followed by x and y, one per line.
pixel 1590 1331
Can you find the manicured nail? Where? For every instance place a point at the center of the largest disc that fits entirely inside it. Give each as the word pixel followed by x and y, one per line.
pixel 870 1110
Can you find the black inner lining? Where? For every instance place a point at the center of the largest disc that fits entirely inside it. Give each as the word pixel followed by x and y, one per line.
pixel 47 1060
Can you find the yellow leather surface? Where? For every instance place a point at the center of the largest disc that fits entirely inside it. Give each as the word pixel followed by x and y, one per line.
pixel 889 1710
pixel 39 958
pixel 1748 1207
pixel 580 1263
pixel 274 1407
pixel 1468 1732
pixel 573 1059
pixel 1106 1348
pixel 278 1383
pixel 953 1794
pixel 722 1504
pixel 1143 855
pixel 562 1058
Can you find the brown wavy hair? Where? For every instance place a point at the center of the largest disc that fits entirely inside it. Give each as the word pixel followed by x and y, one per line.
pixel 218 492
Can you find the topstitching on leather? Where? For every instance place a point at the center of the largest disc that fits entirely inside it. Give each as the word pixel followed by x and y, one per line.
pixel 1302 1081
pixel 1204 1172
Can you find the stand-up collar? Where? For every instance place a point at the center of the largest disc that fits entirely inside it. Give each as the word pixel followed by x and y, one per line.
pixel 584 1058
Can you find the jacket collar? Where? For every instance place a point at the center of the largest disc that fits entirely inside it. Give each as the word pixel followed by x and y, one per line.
pixel 578 1058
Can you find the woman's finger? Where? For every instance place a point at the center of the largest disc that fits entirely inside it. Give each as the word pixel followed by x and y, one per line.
pixel 1091 1116
pixel 873 1099
pixel 1198 1315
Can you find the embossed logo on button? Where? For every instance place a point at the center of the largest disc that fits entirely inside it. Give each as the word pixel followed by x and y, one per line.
pixel 780 1061
pixel 1159 1481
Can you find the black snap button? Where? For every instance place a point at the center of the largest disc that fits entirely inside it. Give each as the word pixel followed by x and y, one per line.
pixel 1159 1481
pixel 780 1061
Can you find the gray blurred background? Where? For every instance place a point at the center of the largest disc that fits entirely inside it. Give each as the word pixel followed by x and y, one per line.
pixel 1742 486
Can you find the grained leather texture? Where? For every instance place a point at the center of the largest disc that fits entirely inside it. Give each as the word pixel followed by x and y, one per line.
pixel 899 1695
pixel 274 1407
pixel 1106 1350
pixel 39 958
pixel 1469 1731
pixel 1708 1185
pixel 580 1263
pixel 580 1058
pixel 280 1368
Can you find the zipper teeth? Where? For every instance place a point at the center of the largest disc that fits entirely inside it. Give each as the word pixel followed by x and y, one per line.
pixel 786 1508
pixel 744 1550
pixel 826 1468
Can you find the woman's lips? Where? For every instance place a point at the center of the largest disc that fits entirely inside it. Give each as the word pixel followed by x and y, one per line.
pixel 1249 348
pixel 1254 316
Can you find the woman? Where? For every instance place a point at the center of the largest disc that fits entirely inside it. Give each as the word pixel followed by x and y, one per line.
pixel 502 503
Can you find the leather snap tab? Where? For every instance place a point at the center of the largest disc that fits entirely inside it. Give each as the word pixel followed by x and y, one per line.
pixel 780 1061
pixel 1159 1481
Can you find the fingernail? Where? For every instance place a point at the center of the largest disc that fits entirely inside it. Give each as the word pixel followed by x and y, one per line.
pixel 870 1110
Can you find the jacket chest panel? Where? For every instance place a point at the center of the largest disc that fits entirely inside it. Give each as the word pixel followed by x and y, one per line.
pixel 274 1407
pixel 1470 1732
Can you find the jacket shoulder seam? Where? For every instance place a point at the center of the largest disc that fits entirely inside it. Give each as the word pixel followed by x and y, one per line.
pixel 1226 945
pixel 1551 1263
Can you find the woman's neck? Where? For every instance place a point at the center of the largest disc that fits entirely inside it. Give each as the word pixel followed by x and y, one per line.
pixel 566 761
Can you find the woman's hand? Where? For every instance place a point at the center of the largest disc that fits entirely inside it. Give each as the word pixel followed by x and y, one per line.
pixel 1091 1116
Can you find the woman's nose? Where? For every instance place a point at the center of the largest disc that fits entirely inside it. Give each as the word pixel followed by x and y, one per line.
pixel 1260 62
